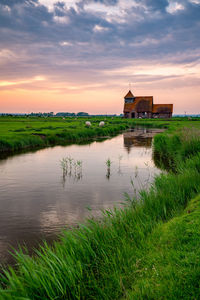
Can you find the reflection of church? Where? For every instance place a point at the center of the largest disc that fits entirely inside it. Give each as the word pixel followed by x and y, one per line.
pixel 137 140
pixel 143 107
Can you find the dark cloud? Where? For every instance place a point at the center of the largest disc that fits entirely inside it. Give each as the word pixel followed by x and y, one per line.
pixel 68 41
pixel 106 2
pixel 154 4
pixel 12 3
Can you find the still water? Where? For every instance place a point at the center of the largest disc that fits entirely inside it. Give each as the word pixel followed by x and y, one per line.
pixel 36 200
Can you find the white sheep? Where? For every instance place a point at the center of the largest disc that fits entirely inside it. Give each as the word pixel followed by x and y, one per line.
pixel 101 124
pixel 88 124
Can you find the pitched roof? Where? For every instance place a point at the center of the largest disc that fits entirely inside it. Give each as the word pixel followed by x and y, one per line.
pixel 129 95
pixel 162 108
pixel 144 104
pixel 128 107
pixel 140 104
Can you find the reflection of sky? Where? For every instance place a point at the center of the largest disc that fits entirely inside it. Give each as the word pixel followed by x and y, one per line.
pixel 36 201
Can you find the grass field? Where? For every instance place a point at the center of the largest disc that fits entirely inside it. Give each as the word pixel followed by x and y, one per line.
pixel 20 133
pixel 147 250
pixel 17 133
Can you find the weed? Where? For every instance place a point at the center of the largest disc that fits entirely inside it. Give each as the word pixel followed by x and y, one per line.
pixel 108 164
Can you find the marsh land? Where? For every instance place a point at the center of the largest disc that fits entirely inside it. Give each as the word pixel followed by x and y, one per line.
pixel 148 248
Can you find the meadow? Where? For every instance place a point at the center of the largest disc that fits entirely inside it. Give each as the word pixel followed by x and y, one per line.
pixel 21 133
pixel 147 250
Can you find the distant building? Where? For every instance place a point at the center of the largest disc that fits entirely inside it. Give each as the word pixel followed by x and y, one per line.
pixel 143 107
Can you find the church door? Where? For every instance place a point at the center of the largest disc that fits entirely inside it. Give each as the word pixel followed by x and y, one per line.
pixel 132 115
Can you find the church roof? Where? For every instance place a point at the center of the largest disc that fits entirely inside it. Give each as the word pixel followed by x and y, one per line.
pixel 129 95
pixel 140 104
pixel 162 108
pixel 128 107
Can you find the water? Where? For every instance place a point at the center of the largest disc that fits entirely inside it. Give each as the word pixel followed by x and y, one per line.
pixel 36 201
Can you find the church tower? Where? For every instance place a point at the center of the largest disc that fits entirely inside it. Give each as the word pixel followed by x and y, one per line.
pixel 129 98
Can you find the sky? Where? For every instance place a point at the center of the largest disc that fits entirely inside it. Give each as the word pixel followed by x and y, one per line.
pixel 83 55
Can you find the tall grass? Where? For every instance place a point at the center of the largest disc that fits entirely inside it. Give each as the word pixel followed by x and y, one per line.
pixel 101 259
pixel 171 149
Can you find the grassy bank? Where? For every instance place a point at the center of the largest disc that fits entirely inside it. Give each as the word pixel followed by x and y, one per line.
pixel 174 146
pixel 169 267
pixel 17 133
pixel 148 250
pixel 20 133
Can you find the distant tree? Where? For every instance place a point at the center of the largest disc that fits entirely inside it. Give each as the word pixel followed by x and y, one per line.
pixel 82 114
pixel 65 114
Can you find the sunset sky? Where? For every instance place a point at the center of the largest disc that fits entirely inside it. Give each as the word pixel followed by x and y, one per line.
pixel 81 55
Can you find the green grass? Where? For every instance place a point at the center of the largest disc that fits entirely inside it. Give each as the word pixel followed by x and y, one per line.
pixel 147 250
pixel 20 133
pixel 170 149
pixel 169 267
pixel 17 133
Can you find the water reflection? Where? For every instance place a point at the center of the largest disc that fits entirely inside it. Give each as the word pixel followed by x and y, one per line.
pixel 140 137
pixel 36 200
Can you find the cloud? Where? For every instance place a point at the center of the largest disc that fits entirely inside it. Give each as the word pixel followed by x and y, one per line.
pixel 21 82
pixel 61 19
pixel 98 28
pixel 82 41
pixel 174 7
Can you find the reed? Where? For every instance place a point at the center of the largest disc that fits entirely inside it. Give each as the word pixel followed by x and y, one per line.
pixel 71 167
pixel 108 164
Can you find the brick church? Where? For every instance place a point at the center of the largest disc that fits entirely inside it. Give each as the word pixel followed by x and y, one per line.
pixel 143 107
